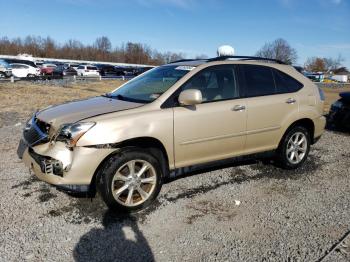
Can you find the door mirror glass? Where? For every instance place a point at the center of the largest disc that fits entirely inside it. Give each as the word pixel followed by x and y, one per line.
pixel 190 97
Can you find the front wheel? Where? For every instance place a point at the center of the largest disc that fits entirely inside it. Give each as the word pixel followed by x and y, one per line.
pixel 294 148
pixel 130 180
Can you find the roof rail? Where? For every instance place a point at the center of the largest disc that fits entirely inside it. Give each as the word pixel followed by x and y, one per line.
pixel 220 58
pixel 185 60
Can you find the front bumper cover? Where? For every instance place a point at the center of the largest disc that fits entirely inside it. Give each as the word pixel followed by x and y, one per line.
pixel 68 169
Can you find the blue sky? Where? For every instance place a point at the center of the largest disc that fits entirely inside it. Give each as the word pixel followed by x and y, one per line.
pixel 313 27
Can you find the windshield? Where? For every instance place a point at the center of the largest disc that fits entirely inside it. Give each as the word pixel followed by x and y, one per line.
pixel 151 85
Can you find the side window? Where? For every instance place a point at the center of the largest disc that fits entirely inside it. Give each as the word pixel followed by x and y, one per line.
pixel 286 83
pixel 216 83
pixel 259 80
pixel 80 67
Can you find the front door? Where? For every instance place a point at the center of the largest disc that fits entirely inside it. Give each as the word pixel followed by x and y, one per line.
pixel 216 128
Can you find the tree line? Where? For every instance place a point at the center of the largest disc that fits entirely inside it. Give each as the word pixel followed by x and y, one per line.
pixel 138 53
pixel 100 50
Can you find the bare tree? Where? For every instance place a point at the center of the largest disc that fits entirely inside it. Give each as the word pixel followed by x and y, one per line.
pixel 332 64
pixel 103 44
pixel 101 50
pixel 278 49
pixel 319 64
pixel 315 64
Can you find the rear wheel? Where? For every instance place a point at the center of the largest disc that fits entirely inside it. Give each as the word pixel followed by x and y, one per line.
pixel 131 180
pixel 294 148
pixel 2 75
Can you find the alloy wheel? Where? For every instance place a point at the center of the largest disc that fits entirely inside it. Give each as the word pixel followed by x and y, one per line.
pixel 134 182
pixel 296 148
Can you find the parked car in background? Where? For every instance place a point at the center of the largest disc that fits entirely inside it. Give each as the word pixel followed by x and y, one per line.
pixel 339 115
pixel 23 70
pixel 120 70
pixel 5 69
pixel 87 70
pixel 72 65
pixel 47 69
pixel 63 70
pixel 107 70
pixel 141 70
pixel 20 61
pixel 185 115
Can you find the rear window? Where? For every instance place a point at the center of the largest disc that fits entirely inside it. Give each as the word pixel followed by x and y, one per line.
pixel 80 67
pixel 286 83
pixel 259 80
pixel 92 68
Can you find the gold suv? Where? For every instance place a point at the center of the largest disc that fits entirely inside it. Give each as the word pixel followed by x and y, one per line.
pixel 173 119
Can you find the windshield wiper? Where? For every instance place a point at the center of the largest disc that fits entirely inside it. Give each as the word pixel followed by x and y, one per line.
pixel 125 98
pixel 120 97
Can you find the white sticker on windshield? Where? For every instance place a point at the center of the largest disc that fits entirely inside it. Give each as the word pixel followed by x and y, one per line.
pixel 187 68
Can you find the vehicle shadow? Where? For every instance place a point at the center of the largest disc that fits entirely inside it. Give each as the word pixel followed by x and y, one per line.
pixel 120 239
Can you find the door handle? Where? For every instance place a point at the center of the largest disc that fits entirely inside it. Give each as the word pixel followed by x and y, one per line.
pixel 290 101
pixel 238 108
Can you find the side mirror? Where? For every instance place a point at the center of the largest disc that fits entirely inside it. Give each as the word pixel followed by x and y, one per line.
pixel 190 97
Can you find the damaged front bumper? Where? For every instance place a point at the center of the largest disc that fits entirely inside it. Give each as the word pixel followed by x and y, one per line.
pixel 69 169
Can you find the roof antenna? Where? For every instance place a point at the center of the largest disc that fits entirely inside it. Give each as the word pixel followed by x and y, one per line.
pixel 225 50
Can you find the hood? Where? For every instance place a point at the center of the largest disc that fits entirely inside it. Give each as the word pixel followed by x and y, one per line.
pixel 345 96
pixel 74 111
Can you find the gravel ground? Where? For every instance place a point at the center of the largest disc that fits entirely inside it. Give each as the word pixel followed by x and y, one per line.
pixel 300 215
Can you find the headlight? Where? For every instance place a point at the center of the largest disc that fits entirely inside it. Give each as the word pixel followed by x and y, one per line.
pixel 70 133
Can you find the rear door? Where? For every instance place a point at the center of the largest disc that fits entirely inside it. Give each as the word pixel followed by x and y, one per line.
pixel 214 129
pixel 269 106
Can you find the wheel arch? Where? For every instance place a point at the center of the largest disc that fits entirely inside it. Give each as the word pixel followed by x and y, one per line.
pixel 304 122
pixel 153 145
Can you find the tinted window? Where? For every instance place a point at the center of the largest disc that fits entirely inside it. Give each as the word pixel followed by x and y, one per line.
pixel 92 68
pixel 285 83
pixel 259 80
pixel 216 83
pixel 80 67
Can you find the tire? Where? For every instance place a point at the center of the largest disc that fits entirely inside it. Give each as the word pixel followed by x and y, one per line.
pixel 115 188
pixel 291 152
pixel 31 75
pixel 2 75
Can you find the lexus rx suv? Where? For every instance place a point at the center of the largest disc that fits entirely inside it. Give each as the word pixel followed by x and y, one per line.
pixel 170 120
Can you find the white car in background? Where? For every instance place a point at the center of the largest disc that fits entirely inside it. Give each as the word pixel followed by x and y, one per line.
pixel 87 70
pixel 23 70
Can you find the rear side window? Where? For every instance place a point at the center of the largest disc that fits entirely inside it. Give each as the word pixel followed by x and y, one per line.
pixel 286 83
pixel 259 80
pixel 91 68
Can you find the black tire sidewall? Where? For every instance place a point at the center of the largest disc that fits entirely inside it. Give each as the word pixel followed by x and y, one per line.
pixel 113 164
pixel 282 156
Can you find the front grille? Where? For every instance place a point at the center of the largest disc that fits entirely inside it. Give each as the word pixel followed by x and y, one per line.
pixel 36 132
